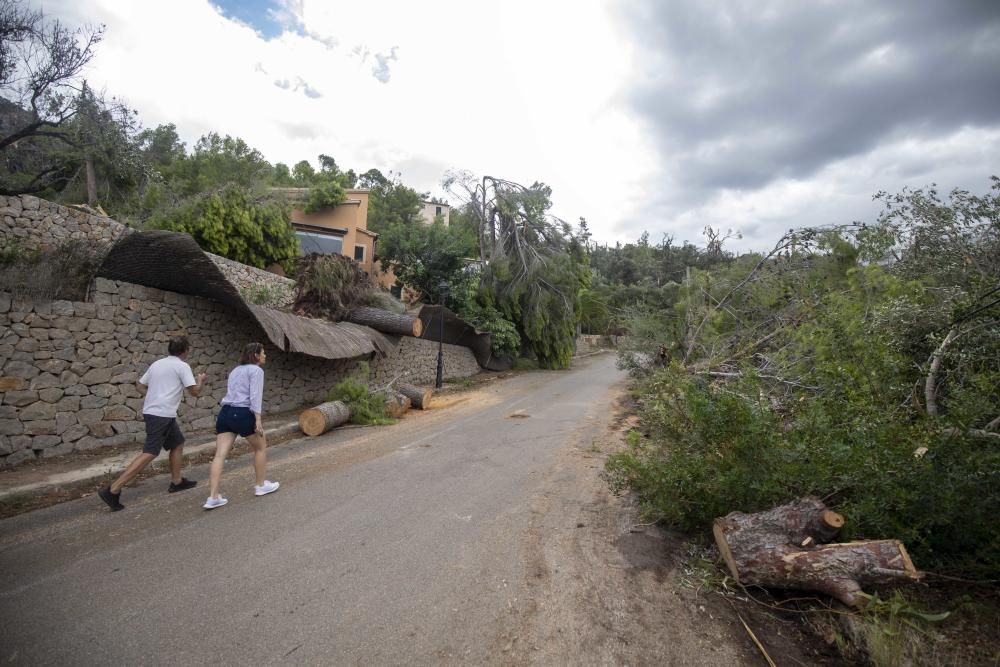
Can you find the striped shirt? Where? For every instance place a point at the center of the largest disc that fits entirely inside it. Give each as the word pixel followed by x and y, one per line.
pixel 246 388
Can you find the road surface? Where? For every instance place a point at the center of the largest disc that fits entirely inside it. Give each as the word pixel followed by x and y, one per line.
pixel 474 533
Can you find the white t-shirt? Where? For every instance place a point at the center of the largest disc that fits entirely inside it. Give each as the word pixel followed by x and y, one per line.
pixel 166 380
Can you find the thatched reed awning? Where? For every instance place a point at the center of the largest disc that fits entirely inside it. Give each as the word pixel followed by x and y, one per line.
pixel 459 332
pixel 174 262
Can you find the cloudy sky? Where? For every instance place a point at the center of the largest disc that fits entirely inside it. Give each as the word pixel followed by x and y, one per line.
pixel 655 115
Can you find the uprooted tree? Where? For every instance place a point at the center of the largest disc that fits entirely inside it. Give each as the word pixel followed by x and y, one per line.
pixel 534 266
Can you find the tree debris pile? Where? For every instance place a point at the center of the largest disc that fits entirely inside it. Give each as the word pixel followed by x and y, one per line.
pixel 784 547
pixel 330 286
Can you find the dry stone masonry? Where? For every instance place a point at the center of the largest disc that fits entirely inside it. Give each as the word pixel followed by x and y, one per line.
pixel 36 223
pixel 68 369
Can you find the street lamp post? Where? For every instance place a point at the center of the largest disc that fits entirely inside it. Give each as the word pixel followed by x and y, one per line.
pixel 442 292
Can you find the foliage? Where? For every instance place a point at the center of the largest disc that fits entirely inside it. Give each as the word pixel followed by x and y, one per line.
pixel 41 62
pixel 234 224
pixel 325 196
pixel 331 285
pixel 390 203
pixel 63 272
pixel 216 162
pixel 808 370
pixel 423 256
pixel 466 299
pixel 534 265
pixel 367 407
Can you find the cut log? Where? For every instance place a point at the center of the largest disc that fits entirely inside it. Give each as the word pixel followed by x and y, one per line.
pixel 387 321
pixel 396 404
pixel 780 548
pixel 786 524
pixel 419 398
pixel 838 570
pixel 319 420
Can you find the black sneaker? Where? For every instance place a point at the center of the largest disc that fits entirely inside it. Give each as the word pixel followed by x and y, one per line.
pixel 111 498
pixel 185 483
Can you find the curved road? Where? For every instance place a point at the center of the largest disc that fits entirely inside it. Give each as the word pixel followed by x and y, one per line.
pixel 393 545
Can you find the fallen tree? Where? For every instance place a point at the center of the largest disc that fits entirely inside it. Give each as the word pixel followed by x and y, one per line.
pixel 387 321
pixel 320 419
pixel 396 404
pixel 420 398
pixel 783 548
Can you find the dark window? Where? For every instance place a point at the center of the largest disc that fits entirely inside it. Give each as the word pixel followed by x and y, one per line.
pixel 325 244
pixel 359 253
pixel 437 211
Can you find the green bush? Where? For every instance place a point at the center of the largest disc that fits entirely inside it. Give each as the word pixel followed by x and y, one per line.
pixel 367 407
pixel 713 448
pixel 238 226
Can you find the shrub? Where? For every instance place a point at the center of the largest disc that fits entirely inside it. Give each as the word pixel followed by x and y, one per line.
pixel 238 226
pixel 713 448
pixel 367 407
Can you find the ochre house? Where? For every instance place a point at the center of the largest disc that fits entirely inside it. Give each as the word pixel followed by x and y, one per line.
pixel 341 230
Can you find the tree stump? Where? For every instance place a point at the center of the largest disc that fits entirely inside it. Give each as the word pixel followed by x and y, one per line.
pixel 419 398
pixel 783 548
pixel 396 404
pixel 319 420
pixel 387 321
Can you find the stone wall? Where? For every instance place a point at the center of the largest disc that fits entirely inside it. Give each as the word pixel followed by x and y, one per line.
pixel 587 343
pixel 67 369
pixel 39 224
pixel 257 286
pixel 415 361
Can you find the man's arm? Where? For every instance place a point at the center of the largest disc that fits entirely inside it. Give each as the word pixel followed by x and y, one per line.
pixel 195 389
pixel 141 388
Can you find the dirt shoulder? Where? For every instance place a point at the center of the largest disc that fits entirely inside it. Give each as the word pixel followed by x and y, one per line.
pixel 604 589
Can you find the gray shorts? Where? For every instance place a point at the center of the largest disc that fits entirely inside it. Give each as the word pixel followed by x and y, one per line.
pixel 161 433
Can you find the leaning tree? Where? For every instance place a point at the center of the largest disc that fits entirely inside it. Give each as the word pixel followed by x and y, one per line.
pixel 534 267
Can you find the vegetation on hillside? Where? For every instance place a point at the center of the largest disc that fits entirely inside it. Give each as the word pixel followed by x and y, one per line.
pixel 858 364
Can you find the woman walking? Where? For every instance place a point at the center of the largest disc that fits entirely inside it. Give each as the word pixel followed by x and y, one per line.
pixel 240 415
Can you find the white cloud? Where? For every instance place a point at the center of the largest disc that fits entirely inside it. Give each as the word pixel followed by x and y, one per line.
pixel 526 91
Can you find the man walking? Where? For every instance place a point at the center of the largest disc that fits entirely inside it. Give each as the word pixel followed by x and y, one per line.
pixel 163 386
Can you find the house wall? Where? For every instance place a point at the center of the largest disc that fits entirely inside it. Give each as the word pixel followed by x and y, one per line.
pixel 352 215
pixel 428 212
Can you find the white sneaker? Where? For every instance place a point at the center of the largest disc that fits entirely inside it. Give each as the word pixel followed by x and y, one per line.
pixel 265 488
pixel 212 503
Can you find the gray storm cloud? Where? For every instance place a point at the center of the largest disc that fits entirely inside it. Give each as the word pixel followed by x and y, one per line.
pixel 747 96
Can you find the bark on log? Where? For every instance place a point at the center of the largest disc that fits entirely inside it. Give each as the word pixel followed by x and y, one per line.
pixel 779 548
pixel 319 420
pixel 396 404
pixel 419 398
pixel 387 321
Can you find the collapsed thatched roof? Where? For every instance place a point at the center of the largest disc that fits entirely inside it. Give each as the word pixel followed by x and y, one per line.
pixel 459 332
pixel 174 262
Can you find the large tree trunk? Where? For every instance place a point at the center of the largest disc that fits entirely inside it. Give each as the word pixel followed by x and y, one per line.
pixel 396 404
pixel 319 420
pixel 419 398
pixel 781 548
pixel 91 182
pixel 387 321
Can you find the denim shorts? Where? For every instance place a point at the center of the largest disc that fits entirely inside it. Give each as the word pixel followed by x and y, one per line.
pixel 232 419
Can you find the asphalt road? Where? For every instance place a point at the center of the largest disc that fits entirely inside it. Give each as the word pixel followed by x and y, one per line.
pixel 391 545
